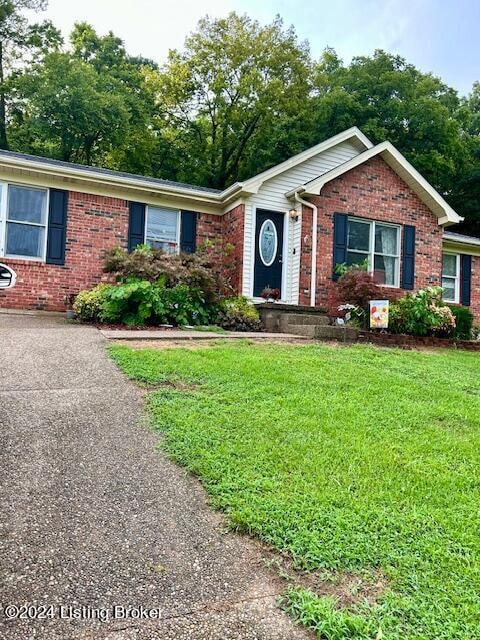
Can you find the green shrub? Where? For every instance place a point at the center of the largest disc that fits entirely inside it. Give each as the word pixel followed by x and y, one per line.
pixel 239 314
pixel 134 302
pixel 186 305
pixel 355 288
pixel 197 270
pixel 88 303
pixel 463 322
pixel 139 302
pixel 422 314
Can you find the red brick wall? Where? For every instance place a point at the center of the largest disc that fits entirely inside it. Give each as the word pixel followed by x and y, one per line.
pixel 94 225
pixel 229 228
pixel 372 190
pixel 232 233
pixel 209 227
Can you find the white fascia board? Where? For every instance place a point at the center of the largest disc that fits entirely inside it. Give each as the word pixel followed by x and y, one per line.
pixel 461 243
pixel 402 167
pixel 89 176
pixel 456 247
pixel 253 184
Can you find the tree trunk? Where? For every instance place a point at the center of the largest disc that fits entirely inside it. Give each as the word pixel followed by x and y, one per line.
pixel 3 114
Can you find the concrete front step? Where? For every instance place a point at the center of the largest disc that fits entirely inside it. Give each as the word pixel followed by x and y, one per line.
pixel 306 330
pixel 305 318
pixel 336 332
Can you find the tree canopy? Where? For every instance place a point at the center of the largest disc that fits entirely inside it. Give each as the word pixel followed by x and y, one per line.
pixel 238 98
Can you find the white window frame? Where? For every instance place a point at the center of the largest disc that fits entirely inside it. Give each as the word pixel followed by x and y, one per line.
pixel 179 216
pixel 371 253
pixel 456 278
pixel 4 196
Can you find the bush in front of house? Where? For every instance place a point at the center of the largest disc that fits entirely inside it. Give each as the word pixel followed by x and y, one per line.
pixel 463 322
pixel 238 314
pixel 138 302
pixel 422 314
pixel 88 304
pixel 353 290
pixel 198 270
pixel 154 287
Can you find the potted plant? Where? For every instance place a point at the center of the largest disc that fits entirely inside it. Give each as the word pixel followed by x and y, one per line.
pixel 270 295
pixel 69 300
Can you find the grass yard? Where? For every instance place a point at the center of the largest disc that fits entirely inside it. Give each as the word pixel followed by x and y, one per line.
pixel 356 461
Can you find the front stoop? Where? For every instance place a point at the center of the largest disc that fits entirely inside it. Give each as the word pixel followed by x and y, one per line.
pixel 304 321
pixel 298 320
pixel 302 324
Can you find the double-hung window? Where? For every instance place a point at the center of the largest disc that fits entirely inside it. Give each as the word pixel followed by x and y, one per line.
pixel 451 277
pixel 23 221
pixel 378 245
pixel 162 229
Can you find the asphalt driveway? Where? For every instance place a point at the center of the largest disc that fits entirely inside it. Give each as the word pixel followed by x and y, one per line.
pixel 92 516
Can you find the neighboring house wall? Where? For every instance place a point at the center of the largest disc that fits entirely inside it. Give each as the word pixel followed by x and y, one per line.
pixel 271 196
pixel 373 191
pixel 94 225
pixel 475 291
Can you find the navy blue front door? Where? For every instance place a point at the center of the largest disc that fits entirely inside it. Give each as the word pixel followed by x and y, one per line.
pixel 268 251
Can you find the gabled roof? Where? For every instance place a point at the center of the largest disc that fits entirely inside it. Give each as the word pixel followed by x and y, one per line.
pixel 50 166
pixel 434 201
pixel 252 184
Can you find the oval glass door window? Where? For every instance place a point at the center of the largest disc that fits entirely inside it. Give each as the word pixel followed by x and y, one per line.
pixel 267 241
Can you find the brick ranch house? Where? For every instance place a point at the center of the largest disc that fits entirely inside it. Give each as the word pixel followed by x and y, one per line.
pixel 343 200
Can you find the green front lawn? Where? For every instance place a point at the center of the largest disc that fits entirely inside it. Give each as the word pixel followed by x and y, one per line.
pixel 353 460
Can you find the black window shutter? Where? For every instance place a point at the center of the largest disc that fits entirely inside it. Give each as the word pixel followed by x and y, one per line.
pixel 136 225
pixel 408 260
pixel 465 279
pixel 188 231
pixel 340 236
pixel 57 226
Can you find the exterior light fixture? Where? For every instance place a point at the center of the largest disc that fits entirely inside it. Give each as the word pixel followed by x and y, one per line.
pixel 293 215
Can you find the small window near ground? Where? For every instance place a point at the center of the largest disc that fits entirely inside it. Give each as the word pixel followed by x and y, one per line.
pixel 162 229
pixel 451 277
pixel 377 245
pixel 26 221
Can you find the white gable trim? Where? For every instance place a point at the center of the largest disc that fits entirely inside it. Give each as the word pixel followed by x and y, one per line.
pixel 434 201
pixel 253 184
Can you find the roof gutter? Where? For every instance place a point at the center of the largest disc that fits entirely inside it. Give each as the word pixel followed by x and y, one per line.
pixel 111 180
pixel 313 280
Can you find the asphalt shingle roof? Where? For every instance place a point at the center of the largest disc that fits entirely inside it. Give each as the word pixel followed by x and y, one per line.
pixel 107 172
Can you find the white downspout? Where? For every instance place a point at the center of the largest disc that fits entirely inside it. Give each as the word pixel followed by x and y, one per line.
pixel 313 284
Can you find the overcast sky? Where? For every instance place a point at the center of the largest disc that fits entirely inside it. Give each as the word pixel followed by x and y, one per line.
pixel 441 36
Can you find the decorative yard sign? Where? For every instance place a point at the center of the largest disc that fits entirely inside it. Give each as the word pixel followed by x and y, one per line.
pixel 379 314
pixel 8 277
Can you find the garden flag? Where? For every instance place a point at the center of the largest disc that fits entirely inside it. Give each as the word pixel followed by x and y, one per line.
pixel 378 314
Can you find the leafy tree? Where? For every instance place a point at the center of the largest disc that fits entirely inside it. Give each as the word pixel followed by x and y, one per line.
pixel 20 43
pixel 465 195
pixel 237 99
pixel 229 95
pixel 390 99
pixel 88 105
pixel 71 114
pixel 127 77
